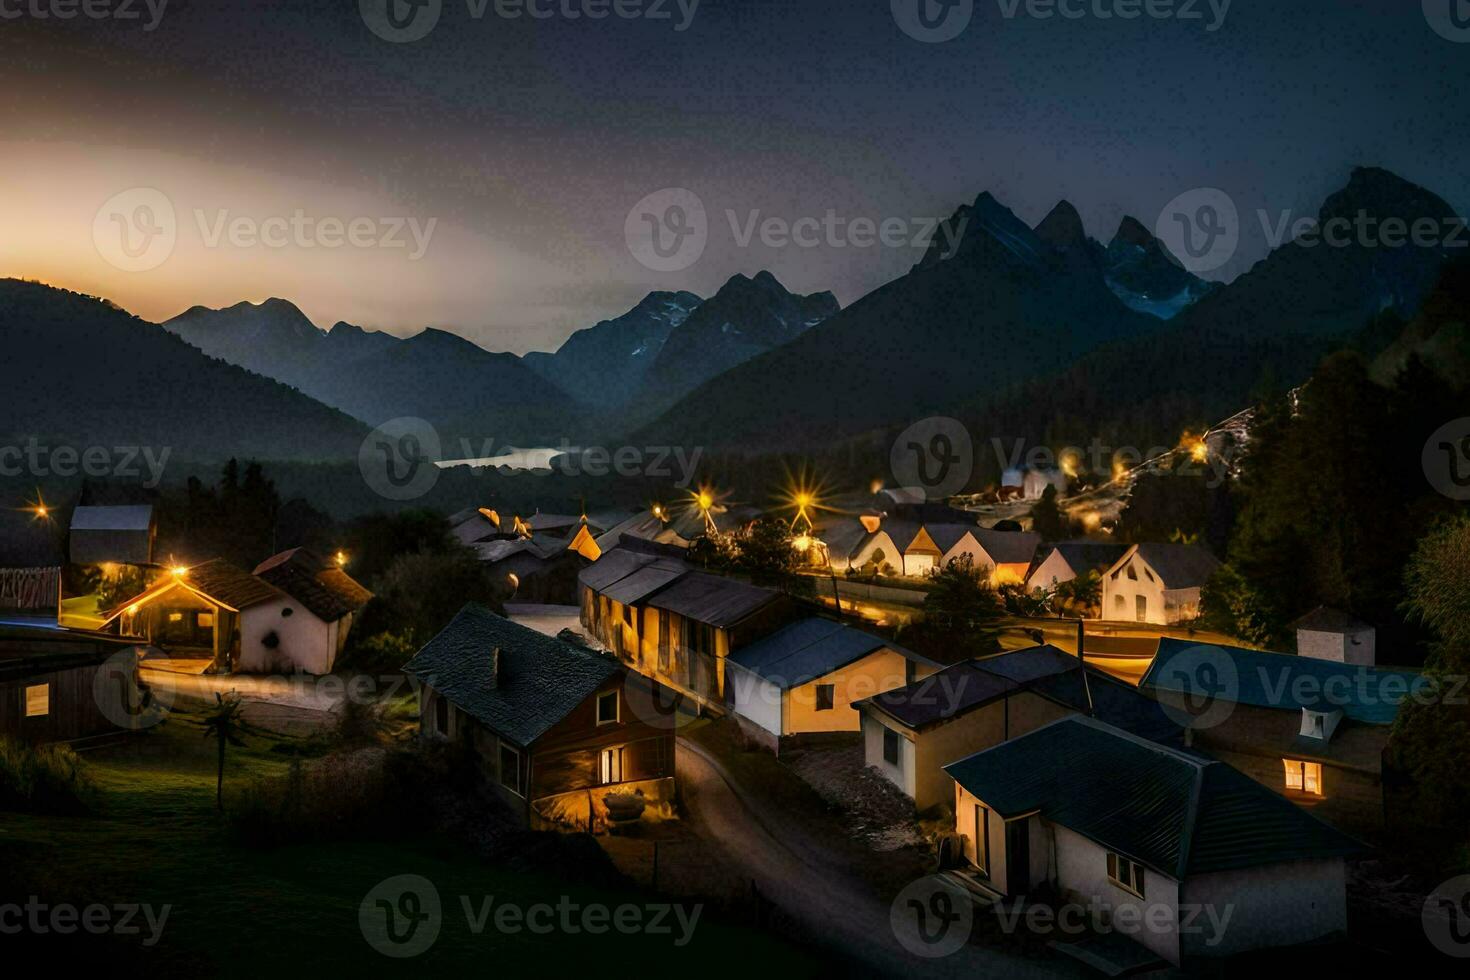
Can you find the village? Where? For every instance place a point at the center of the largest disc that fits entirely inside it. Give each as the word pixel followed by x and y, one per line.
pixel 874 701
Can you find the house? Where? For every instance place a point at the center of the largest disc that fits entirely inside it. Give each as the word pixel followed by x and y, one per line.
pixel 805 678
pixel 1153 834
pixel 670 622
pixel 910 734
pixel 554 726
pixel 305 629
pixel 1067 560
pixel 1329 634
pixel 31 559
pixel 61 685
pixel 1312 730
pixel 292 614
pixel 1032 481
pixel 1157 583
pixel 915 539
pixel 113 535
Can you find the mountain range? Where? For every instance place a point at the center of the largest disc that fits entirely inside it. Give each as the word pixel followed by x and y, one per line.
pixel 1032 331
pixel 82 373
pixel 1021 331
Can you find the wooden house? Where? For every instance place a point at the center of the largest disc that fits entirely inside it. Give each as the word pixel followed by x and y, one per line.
pixel 61 685
pixel 557 728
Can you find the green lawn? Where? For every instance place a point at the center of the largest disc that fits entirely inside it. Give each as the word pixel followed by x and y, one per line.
pixel 294 911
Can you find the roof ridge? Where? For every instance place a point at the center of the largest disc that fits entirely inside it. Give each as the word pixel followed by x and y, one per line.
pixel 1191 815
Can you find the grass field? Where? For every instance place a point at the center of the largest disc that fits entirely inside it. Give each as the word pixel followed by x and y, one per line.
pixel 292 911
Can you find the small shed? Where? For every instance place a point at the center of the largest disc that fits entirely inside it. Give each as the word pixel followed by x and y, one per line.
pixel 113 535
pixel 59 684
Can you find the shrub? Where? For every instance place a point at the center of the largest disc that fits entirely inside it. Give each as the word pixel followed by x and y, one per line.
pixel 46 779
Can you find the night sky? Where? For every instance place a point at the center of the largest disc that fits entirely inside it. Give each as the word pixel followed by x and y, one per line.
pixel 529 140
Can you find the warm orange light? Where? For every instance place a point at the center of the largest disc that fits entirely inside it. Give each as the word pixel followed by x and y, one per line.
pixel 133 609
pixel 341 559
pixel 802 543
pixel 1069 464
pixel 41 510
pixel 179 571
pixel 705 500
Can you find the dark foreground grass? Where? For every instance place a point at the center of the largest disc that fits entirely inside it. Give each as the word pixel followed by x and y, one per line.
pixel 293 911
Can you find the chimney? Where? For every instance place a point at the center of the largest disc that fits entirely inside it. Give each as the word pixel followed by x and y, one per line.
pixel 497 668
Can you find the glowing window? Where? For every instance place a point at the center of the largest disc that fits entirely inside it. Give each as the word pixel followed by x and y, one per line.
pixel 206 620
pixel 38 700
pixel 1303 777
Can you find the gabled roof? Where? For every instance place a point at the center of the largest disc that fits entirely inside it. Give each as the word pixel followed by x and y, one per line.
pixel 711 599
pixel 1083 556
pixel 645 581
pixel 946 536
pixel 811 648
pixel 474 530
pixel 539 682
pixel 1327 620
pixel 1175 811
pixel 1008 547
pixel 216 581
pixel 1179 566
pixel 1370 695
pixel 844 538
pixel 972 684
pixel 324 589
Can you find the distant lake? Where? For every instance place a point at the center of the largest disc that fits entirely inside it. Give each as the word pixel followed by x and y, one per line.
pixel 516 459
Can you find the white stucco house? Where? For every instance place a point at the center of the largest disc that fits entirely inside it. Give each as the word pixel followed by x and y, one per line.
pixel 1066 560
pixel 1191 858
pixel 1157 583
pixel 304 627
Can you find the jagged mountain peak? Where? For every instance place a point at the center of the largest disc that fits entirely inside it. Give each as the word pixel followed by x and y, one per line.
pixel 1062 227
pixel 1131 231
pixel 1383 194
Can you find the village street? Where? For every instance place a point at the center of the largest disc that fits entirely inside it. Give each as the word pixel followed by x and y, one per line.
pixel 800 872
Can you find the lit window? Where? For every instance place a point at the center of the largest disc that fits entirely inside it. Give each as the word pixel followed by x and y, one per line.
pixel 611 766
pixel 890 746
pixel 824 697
pixel 607 708
pixel 176 617
pixel 1126 874
pixel 38 700
pixel 206 620
pixel 1303 777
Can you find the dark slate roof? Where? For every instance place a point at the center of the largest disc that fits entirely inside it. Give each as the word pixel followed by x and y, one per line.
pixel 645 581
pixel 612 566
pixel 1085 556
pixel 474 530
pixel 1008 547
pixel 540 681
pixel 946 536
pixel 844 538
pixel 28 541
pixel 1173 810
pixel 1370 695
pixel 121 534
pixel 323 588
pixel 947 694
pixel 810 648
pixel 28 648
pixel 1180 566
pixel 1326 620
pixel 551 522
pixel 1112 701
pixel 1030 663
pixel 711 599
